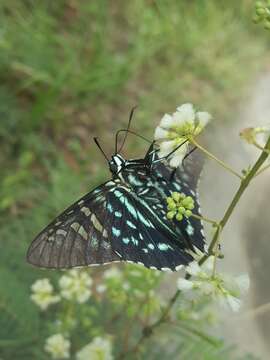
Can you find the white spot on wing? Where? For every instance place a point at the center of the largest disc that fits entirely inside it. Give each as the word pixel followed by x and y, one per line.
pixel 130 224
pixel 83 233
pixel 163 246
pixel 116 231
pixel 61 232
pixel 86 211
pixel 75 226
pixel 105 233
pixel 96 223
pixel 179 267
pixel 166 269
pixel 118 254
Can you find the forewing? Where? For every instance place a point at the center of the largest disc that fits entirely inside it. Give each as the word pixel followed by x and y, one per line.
pixel 77 237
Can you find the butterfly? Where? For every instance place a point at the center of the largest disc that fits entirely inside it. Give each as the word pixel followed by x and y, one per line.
pixel 124 219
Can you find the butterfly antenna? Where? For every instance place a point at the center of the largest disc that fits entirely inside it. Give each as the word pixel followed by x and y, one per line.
pixel 100 148
pixel 126 130
pixel 136 134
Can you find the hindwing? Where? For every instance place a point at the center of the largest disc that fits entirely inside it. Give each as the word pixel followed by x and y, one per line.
pixel 139 235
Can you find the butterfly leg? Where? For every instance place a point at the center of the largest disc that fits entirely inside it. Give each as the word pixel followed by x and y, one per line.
pixel 172 174
pixel 188 154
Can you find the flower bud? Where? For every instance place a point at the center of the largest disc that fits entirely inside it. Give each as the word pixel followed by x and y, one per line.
pixel 181 210
pixel 267 25
pixel 179 217
pixel 261 11
pixel 256 19
pixel 188 213
pixel 259 4
pixel 170 215
pixel 176 196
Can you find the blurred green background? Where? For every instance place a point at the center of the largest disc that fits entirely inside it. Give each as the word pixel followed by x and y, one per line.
pixel 73 69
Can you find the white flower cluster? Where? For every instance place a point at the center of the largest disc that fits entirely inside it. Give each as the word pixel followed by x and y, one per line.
pixel 98 349
pixel 220 288
pixel 75 285
pixel 43 294
pixel 179 128
pixel 58 346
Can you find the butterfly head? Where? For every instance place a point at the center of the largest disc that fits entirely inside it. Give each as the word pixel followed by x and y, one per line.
pixel 116 164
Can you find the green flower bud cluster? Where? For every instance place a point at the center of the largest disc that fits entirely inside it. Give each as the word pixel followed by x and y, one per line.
pixel 262 13
pixel 179 206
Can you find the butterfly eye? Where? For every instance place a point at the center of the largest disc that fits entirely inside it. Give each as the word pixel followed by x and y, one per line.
pixel 113 167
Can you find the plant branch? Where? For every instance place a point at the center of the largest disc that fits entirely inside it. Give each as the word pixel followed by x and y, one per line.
pixel 203 218
pixel 213 157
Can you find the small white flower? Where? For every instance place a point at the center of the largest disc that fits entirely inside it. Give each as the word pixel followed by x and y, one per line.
pixel 98 349
pixel 193 268
pixel 58 346
pixel 126 286
pixel 177 129
pixel 203 117
pixel 42 294
pixel 161 133
pixel 233 302
pixel 166 121
pixel 185 113
pixel 178 156
pixel 221 288
pixel 184 284
pixel 243 282
pixel 101 288
pixel 166 147
pixel 206 286
pixel 75 285
pixel 112 272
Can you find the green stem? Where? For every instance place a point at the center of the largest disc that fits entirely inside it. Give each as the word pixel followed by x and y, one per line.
pixel 266 167
pixel 211 156
pixel 148 331
pixel 203 218
pixel 215 254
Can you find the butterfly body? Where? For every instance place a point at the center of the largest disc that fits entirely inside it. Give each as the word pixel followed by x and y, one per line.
pixel 124 219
